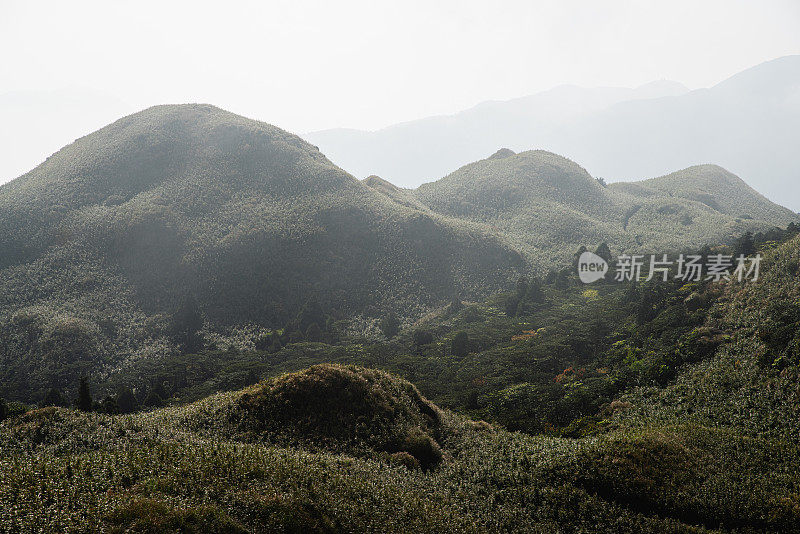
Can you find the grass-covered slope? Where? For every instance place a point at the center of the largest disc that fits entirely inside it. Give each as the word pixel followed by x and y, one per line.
pixel 548 206
pixel 751 383
pixel 102 243
pixel 198 469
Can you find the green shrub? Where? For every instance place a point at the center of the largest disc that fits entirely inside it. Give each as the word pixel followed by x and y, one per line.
pixel 423 448
pixel 460 345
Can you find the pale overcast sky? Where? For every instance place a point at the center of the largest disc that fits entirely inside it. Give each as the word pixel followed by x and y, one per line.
pixel 69 67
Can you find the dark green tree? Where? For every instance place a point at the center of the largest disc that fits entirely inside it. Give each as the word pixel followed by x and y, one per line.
pixel 512 305
pixel 314 332
pixel 311 313
pixel 84 401
pixel 153 400
pixel 422 337
pixel 460 345
pixel 3 409
pixel 390 325
pixel 577 256
pixel 522 288
pixel 745 246
pixel 264 342
pixel 604 252
pixel 186 323
pixel 126 400
pixel 110 406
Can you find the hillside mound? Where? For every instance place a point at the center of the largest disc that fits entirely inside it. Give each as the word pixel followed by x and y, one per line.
pixel 343 408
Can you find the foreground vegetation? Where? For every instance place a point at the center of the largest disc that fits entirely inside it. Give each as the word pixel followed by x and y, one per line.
pixel 676 413
pixel 197 468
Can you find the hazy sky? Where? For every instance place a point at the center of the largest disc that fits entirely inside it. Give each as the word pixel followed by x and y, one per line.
pixel 306 65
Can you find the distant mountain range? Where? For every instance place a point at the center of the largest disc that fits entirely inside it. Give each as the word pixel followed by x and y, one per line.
pixel 748 124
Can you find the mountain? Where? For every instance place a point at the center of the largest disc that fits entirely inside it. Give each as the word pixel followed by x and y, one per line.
pixel 230 220
pixel 124 245
pixel 548 206
pixel 747 124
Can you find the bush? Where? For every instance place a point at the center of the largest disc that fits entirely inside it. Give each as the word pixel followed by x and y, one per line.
pixel 390 326
pixel 460 345
pixel 404 459
pixel 423 448
pixel 422 337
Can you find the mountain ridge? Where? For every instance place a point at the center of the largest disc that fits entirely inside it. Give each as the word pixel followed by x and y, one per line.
pixel 746 123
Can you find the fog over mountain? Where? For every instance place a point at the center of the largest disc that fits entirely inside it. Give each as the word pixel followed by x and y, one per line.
pixel 748 124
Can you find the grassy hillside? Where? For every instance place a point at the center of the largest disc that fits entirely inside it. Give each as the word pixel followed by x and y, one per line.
pixel 549 206
pixel 192 469
pixel 658 407
pixel 751 383
pixel 132 237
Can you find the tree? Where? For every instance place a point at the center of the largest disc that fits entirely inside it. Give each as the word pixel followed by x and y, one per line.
pixel 522 288
pixel 745 246
pixel 186 322
pixel 454 307
pixel 53 398
pixel 110 405
pixel 562 279
pixel 264 342
pixel 84 402
pixel 153 400
pixel 460 345
pixel 390 325
pixel 422 337
pixel 126 400
pixel 604 252
pixel 535 292
pixel 314 332
pixel 3 409
pixel 577 256
pixel 311 313
pixel 512 304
